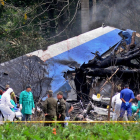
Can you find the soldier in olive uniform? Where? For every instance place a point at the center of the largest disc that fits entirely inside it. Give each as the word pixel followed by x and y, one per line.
pixel 61 114
pixel 50 108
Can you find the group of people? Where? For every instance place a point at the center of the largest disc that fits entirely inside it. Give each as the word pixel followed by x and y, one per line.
pixel 8 104
pixel 56 109
pixel 59 109
pixel 122 102
pixel 53 109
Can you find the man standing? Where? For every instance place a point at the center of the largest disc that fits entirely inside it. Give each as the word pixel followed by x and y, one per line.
pixel 116 105
pixel 26 103
pixel 13 96
pixel 61 107
pixel 50 108
pixel 126 96
pixel 136 109
pixel 69 108
pixel 6 105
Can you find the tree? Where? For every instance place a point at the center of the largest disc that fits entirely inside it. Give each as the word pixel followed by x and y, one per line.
pixel 85 15
pixel 26 27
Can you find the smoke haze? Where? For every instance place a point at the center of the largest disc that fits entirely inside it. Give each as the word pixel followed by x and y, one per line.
pixel 122 14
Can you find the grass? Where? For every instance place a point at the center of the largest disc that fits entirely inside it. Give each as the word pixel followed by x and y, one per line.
pixel 116 131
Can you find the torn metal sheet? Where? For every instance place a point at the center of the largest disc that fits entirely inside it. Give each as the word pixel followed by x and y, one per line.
pixel 101 111
pixel 94 97
pixel 89 111
pixel 101 99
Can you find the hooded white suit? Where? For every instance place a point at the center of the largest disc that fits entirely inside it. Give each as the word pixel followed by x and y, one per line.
pixel 116 105
pixel 6 105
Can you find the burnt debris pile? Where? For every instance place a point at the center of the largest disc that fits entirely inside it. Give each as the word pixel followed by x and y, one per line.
pixel 119 65
pixel 90 111
pixel 123 57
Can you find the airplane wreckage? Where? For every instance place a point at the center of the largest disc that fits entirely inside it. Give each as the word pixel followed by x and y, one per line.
pixel 81 67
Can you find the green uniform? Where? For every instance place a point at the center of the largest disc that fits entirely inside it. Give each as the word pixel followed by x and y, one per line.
pixel 139 104
pixel 134 109
pixel 26 99
pixel 50 108
pixel 139 108
pixel 13 103
pixel 61 109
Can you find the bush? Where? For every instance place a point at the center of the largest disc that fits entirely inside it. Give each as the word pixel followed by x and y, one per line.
pixel 117 131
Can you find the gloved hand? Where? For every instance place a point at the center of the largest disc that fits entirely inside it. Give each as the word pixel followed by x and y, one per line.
pixel 135 114
pixel 20 106
pixel 15 108
pixel 33 110
pixel 126 103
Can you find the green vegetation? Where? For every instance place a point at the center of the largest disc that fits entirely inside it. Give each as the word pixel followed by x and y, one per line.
pixel 27 26
pixel 72 132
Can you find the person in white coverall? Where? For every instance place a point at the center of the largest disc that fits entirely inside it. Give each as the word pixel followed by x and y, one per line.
pixel 6 105
pixel 116 105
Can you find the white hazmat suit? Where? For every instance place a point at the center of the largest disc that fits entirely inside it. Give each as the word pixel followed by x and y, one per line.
pixel 116 105
pixel 6 105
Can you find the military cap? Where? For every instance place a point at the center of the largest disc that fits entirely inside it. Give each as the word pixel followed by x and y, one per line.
pixel 49 91
pixel 60 92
